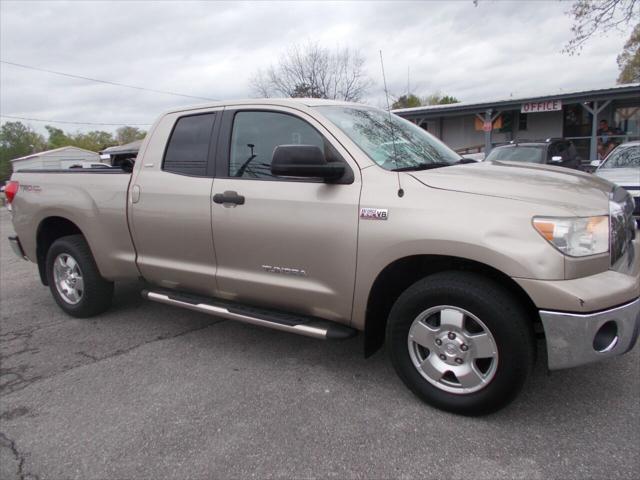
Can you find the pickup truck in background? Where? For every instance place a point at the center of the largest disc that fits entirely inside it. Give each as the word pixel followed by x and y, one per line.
pixel 325 219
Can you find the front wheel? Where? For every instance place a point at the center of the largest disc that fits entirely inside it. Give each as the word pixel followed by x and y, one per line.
pixel 460 342
pixel 74 279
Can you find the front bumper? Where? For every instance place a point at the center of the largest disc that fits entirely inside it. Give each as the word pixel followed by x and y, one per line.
pixel 16 246
pixel 577 338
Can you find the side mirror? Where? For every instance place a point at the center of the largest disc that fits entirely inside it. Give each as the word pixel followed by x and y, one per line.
pixel 128 164
pixel 556 159
pixel 305 161
pixel 596 163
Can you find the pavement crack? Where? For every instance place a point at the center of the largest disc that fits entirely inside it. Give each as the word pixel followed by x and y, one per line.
pixel 88 355
pixel 6 442
pixel 159 338
pixel 15 379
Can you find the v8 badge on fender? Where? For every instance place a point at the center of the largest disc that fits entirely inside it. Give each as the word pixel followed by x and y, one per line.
pixel 374 213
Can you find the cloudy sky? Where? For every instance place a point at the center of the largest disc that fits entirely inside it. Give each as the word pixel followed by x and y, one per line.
pixel 212 49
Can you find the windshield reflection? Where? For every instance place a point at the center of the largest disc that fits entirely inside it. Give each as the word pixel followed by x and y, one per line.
pixel 623 157
pixel 390 141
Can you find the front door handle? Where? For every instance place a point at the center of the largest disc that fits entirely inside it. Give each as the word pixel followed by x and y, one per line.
pixel 229 197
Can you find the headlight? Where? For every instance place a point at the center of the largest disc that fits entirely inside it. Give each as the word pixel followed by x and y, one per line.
pixel 576 237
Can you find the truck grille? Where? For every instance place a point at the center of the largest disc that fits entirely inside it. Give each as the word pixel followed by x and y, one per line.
pixel 623 225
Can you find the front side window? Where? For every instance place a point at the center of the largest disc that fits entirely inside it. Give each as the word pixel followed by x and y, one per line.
pixel 390 141
pixel 255 135
pixel 517 154
pixel 188 148
pixel 624 157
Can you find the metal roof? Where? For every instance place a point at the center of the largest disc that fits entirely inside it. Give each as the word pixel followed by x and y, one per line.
pixel 631 91
pixel 55 150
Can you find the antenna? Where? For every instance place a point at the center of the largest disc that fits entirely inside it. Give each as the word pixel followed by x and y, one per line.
pixel 408 81
pixel 393 135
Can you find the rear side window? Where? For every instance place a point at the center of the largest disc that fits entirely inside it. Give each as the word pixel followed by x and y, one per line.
pixel 188 148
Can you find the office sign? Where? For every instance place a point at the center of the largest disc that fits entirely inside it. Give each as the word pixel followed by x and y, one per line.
pixel 537 107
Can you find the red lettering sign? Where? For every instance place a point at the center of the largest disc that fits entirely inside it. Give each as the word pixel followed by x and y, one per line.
pixel 546 106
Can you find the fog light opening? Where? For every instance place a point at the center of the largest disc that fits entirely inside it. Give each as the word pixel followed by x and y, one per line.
pixel 606 337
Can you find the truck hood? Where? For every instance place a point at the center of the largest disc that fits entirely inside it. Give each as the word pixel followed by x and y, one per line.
pixel 625 177
pixel 580 193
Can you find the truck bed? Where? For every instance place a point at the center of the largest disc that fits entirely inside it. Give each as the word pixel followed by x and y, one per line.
pixel 95 200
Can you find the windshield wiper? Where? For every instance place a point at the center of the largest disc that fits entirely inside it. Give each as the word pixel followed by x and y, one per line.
pixel 421 166
pixel 429 166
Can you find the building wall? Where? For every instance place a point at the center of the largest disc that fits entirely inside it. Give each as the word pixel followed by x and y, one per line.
pixel 460 132
pixel 541 126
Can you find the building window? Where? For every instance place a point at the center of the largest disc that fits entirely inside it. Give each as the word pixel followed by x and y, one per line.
pixel 522 121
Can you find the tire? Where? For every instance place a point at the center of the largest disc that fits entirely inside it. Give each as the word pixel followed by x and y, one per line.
pixel 467 372
pixel 70 268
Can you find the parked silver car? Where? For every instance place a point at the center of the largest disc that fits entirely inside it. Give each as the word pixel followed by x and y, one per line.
pixel 622 167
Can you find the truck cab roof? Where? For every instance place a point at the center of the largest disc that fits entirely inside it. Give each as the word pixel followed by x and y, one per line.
pixel 282 102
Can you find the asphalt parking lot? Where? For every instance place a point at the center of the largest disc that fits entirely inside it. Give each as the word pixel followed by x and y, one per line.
pixel 150 391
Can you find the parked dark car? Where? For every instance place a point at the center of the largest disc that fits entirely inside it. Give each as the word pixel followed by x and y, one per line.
pixel 561 153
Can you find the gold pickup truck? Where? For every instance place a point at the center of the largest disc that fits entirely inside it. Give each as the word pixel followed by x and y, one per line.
pixel 326 219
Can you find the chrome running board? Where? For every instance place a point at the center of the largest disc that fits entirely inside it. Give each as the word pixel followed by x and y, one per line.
pixel 301 325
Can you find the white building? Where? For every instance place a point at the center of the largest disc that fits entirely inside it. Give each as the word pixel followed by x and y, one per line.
pixel 58 158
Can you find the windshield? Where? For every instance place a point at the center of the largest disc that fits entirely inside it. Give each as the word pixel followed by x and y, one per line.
pixel 390 141
pixel 517 154
pixel 623 157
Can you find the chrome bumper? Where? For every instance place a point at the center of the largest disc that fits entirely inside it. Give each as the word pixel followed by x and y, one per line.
pixel 575 339
pixel 17 248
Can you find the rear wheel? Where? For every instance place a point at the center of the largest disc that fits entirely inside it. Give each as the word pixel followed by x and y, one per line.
pixel 460 342
pixel 74 279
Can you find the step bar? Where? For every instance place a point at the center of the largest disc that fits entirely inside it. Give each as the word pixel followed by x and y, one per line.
pixel 306 326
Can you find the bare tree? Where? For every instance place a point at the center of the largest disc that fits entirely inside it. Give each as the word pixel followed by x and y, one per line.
pixel 312 71
pixel 598 17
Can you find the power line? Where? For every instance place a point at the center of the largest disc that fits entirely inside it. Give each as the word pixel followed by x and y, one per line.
pixel 108 82
pixel 73 123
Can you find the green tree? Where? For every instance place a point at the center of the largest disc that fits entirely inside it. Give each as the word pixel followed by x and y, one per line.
pixel 95 140
pixel 411 100
pixel 439 99
pixel 17 140
pixel 407 101
pixel 629 59
pixel 57 138
pixel 128 134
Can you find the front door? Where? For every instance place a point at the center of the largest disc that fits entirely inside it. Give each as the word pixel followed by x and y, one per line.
pixel 289 243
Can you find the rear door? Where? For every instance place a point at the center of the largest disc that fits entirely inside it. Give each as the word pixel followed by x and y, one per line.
pixel 170 203
pixel 288 243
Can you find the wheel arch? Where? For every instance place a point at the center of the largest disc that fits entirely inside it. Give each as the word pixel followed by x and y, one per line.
pixel 402 273
pixel 49 230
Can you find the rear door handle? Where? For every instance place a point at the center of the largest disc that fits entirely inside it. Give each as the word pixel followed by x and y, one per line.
pixel 229 197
